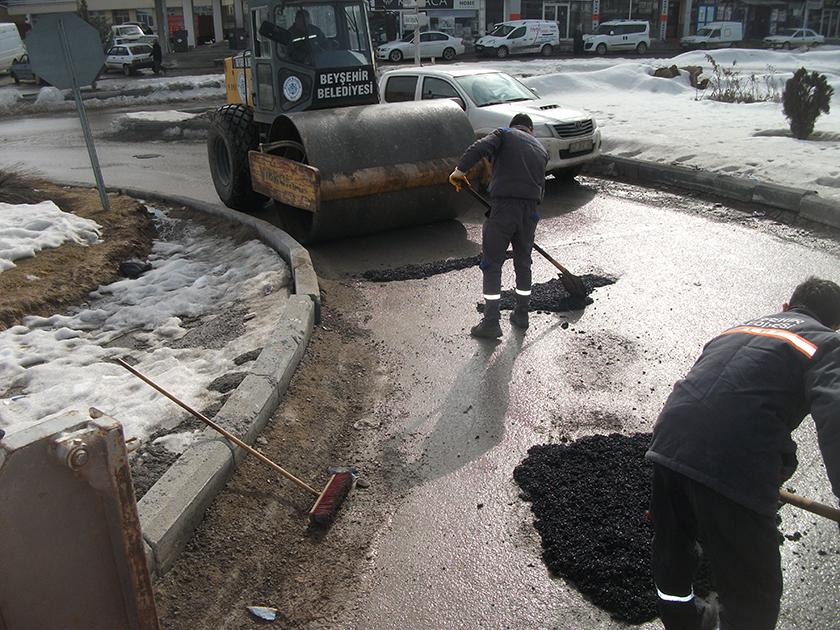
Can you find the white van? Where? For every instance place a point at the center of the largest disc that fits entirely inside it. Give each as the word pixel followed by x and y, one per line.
pixel 520 37
pixel 715 35
pixel 619 35
pixel 11 45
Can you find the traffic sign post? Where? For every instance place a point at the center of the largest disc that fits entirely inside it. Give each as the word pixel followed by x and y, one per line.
pixel 77 61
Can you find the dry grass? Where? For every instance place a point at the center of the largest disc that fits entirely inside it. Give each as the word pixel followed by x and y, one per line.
pixel 64 276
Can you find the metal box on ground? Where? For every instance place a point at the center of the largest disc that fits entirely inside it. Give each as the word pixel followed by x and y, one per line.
pixel 70 542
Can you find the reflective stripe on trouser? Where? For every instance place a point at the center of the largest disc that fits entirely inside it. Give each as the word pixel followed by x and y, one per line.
pixel 511 222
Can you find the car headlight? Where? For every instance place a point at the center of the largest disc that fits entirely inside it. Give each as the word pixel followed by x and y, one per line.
pixel 542 131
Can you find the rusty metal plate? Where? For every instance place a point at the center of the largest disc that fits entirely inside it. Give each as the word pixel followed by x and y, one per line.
pixel 289 182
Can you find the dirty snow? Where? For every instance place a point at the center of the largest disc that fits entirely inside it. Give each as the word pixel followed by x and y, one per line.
pixel 61 364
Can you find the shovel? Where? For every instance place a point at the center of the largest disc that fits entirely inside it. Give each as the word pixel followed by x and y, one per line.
pixel 811 506
pixel 572 283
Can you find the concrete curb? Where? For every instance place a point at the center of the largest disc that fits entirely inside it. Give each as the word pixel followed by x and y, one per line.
pixel 175 505
pixel 805 203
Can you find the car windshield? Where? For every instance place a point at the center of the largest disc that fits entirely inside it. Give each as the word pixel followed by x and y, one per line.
pixel 502 30
pixel 704 32
pixel 788 32
pixel 495 88
pixel 408 38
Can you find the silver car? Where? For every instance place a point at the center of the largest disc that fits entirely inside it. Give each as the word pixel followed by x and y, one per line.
pixel 794 38
pixel 129 58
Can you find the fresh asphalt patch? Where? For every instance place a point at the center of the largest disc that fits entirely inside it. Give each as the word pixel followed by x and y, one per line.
pixel 549 296
pixel 590 500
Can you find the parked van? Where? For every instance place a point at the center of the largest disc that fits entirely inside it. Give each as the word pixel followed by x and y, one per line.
pixel 715 35
pixel 520 37
pixel 619 35
pixel 11 45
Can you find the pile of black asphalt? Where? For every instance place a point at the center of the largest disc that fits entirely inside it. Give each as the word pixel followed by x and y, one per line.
pixel 590 500
pixel 549 296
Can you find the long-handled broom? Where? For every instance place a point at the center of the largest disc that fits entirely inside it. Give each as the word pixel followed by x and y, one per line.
pixel 326 505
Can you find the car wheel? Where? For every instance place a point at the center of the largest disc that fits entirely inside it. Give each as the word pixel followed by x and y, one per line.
pixel 546 50
pixel 601 49
pixel 702 45
pixel 786 45
pixel 449 54
pixel 396 55
pixel 502 52
pixel 127 70
pixel 231 134
pixel 641 48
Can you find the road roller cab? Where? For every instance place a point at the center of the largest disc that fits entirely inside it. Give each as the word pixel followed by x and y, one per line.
pixel 303 126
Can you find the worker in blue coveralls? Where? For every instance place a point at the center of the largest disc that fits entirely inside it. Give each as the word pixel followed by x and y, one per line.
pixel 517 187
pixel 722 447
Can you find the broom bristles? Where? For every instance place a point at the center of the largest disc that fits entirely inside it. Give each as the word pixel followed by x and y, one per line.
pixel 333 494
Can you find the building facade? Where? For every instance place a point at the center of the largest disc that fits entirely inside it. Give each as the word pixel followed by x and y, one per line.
pixel 212 20
pixel 203 20
pixel 669 19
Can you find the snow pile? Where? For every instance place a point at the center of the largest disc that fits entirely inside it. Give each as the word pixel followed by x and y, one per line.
pixel 27 229
pixel 668 121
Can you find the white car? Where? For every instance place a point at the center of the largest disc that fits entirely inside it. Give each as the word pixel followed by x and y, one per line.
pixel 432 44
pixel 129 58
pixel 491 99
pixel 794 38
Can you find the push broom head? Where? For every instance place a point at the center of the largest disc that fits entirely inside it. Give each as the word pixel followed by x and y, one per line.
pixel 325 508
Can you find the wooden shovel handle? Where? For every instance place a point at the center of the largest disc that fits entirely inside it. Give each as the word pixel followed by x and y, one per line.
pixel 811 506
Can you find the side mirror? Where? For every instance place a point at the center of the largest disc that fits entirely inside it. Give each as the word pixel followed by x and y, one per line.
pixel 275 33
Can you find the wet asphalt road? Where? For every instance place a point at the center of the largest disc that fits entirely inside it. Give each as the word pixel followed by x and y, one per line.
pixel 458 549
pixel 468 410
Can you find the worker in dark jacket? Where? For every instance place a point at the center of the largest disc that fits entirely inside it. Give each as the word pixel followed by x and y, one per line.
pixel 722 447
pixel 517 187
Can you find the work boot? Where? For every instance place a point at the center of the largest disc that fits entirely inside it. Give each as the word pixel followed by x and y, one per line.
pixel 487 328
pixel 519 318
pixel 710 616
pixel 519 315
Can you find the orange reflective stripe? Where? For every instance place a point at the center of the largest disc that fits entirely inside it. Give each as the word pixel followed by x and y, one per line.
pixel 801 344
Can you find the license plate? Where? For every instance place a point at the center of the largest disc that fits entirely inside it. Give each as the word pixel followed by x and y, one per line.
pixel 580 145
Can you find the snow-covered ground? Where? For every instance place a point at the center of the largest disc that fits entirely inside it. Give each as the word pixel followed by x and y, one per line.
pixel 60 364
pixel 668 121
pixel 55 364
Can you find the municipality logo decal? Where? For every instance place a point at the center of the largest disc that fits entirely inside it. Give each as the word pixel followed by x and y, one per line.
pixel 292 88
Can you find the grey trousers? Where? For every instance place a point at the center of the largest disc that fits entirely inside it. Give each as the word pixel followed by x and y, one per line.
pixel 512 221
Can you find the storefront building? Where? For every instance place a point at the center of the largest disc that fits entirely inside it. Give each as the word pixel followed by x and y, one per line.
pixel 669 19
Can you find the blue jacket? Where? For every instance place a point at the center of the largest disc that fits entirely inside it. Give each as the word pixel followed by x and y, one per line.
pixel 728 423
pixel 517 163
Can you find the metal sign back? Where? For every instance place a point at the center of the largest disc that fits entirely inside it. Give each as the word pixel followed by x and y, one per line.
pixel 47 57
pixel 287 181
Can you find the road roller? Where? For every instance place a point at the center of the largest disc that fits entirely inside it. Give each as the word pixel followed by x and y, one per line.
pixel 303 128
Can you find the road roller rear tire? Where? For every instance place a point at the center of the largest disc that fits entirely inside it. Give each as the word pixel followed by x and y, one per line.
pixel 232 133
